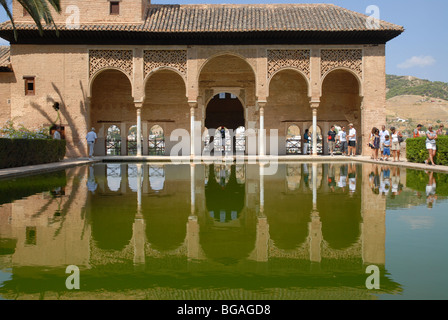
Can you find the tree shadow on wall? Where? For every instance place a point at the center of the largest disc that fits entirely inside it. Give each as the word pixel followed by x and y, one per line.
pixel 80 148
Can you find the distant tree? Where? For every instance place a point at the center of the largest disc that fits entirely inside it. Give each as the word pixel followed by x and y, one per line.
pixel 38 10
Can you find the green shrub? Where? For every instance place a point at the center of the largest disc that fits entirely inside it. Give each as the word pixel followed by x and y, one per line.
pixel 416 150
pixel 23 152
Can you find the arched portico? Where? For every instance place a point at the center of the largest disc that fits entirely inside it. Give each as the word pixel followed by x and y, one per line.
pixel 340 103
pixel 111 104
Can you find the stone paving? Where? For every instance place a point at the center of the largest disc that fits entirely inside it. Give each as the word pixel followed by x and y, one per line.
pixel 67 163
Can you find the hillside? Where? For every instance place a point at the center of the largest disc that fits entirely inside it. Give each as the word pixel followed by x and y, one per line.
pixel 407 85
pixel 411 101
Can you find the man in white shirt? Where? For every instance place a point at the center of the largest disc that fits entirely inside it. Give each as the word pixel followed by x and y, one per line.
pixel 351 140
pixel 383 133
pixel 342 138
pixel 91 139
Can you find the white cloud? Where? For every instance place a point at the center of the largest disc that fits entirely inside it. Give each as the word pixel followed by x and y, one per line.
pixel 421 61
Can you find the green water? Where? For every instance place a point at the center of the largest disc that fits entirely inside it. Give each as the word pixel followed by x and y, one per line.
pixel 217 231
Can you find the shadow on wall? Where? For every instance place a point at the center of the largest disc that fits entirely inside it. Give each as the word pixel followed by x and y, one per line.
pixel 75 144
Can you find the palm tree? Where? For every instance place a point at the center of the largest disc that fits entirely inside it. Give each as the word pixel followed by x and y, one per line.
pixel 38 10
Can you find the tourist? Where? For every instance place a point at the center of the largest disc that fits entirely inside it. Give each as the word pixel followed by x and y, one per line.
pixel 351 140
pixel 331 178
pixel 383 133
pixel 352 178
pixel 440 131
pixel 223 139
pixel 431 190
pixel 342 183
pixel 431 137
pixel 342 139
pixel 386 148
pixel 376 144
pixel 56 133
pixel 306 143
pixel 91 139
pixel 91 183
pixel 385 181
pixel 371 141
pixel 417 131
pixel 331 140
pixel 396 135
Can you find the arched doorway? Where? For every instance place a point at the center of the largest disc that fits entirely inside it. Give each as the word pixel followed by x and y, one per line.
pixel 227 84
pixel 156 141
pixel 225 110
pixel 288 109
pixel 293 140
pixel 111 102
pixel 340 102
pixel 113 140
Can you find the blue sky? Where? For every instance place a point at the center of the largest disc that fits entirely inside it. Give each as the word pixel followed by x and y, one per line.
pixel 421 51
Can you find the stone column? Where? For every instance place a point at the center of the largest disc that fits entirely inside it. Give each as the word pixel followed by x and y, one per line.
pixel 138 228
pixel 138 105
pixel 124 139
pixel 262 239
pixel 314 105
pixel 315 234
pixel 193 105
pixel 192 189
pixel 262 135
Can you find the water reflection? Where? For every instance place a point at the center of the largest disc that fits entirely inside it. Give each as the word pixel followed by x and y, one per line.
pixel 188 228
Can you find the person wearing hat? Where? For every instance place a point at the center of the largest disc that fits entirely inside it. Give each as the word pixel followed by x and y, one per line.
pixel 91 139
pixel 417 131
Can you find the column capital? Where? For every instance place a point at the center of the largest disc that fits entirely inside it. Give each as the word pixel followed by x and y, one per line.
pixel 138 104
pixel 261 103
pixel 314 104
pixel 193 104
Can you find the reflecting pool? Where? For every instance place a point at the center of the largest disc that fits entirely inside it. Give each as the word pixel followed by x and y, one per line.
pixel 225 231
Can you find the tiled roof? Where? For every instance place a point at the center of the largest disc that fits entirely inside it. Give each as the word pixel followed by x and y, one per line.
pixel 5 61
pixel 246 17
pixel 236 18
pixel 221 24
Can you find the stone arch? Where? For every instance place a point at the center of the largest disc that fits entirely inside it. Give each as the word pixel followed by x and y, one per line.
pixel 159 69
pixel 287 102
pixel 226 53
pixel 111 103
pixel 341 100
pixel 305 77
pixel 165 104
pixel 351 71
pixel 105 69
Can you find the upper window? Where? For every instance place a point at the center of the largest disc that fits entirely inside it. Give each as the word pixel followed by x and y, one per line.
pixel 30 86
pixel 115 7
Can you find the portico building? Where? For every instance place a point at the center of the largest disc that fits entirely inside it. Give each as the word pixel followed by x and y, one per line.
pixel 138 75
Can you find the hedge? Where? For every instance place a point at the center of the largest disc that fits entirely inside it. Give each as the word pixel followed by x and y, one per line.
pixel 24 152
pixel 416 150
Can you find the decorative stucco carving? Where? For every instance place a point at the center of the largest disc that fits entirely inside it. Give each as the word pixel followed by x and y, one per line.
pixel 280 59
pixel 347 58
pixel 120 59
pixel 176 59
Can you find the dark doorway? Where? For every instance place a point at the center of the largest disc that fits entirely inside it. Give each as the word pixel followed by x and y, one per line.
pixel 224 110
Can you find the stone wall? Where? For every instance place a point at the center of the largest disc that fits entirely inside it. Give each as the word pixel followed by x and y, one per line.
pixel 344 83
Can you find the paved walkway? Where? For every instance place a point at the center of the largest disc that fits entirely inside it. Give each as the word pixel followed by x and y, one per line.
pixel 68 163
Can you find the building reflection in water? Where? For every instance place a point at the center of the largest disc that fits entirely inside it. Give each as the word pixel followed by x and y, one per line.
pixel 175 219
